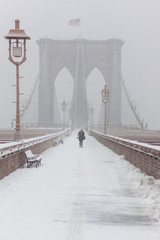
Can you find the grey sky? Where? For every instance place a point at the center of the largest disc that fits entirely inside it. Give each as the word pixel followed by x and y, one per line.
pixel 134 21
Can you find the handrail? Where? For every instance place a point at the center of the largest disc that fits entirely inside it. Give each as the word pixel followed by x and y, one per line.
pixel 25 143
pixel 137 146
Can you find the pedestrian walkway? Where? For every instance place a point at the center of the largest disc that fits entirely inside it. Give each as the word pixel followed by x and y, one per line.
pixel 77 194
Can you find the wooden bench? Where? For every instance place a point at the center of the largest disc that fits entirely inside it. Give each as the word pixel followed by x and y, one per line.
pixel 33 159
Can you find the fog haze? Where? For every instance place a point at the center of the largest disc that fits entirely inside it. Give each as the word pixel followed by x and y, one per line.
pixel 136 22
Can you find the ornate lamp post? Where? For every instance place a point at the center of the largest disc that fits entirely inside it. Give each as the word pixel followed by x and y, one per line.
pixel 17 49
pixel 64 109
pixel 91 115
pixel 105 99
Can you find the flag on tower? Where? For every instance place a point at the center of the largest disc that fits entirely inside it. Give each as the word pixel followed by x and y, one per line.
pixel 74 22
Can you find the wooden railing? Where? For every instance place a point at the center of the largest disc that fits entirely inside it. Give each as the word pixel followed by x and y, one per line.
pixel 12 155
pixel 11 148
pixel 143 156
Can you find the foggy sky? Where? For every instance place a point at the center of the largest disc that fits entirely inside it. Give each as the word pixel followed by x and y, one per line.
pixel 136 22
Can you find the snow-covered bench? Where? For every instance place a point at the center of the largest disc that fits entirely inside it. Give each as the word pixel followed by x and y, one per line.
pixel 33 159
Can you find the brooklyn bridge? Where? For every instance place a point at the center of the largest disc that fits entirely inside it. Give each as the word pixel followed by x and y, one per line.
pixel 77 193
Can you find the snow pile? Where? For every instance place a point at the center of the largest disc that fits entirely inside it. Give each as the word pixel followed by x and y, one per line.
pixel 148 188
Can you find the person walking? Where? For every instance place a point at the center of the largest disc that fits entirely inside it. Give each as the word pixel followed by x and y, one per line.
pixel 81 137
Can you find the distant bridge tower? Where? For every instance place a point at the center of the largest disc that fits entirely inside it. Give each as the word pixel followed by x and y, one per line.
pixel 80 57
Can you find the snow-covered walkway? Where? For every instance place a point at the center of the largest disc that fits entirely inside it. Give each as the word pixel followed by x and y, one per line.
pixel 77 194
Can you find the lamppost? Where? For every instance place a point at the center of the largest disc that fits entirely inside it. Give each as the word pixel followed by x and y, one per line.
pixel 17 49
pixel 91 115
pixel 105 99
pixel 64 109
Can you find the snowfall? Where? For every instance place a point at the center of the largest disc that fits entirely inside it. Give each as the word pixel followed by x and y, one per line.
pixel 87 193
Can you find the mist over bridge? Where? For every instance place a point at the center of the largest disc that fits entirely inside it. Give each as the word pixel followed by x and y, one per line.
pixel 83 193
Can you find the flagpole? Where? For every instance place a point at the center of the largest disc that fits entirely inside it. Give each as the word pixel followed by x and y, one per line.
pixel 80 30
pixel 76 22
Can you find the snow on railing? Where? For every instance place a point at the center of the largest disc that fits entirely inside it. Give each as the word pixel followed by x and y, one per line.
pixel 10 148
pixel 144 148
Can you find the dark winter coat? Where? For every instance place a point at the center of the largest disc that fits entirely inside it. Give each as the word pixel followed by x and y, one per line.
pixel 81 135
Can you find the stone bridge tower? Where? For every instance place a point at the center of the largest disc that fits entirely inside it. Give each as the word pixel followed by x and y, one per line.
pixel 80 57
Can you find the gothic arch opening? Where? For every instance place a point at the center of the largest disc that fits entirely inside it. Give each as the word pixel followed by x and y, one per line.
pixel 94 85
pixel 63 86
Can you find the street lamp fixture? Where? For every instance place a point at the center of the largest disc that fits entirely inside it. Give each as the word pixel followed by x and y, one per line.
pixel 17 51
pixel 64 109
pixel 105 99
